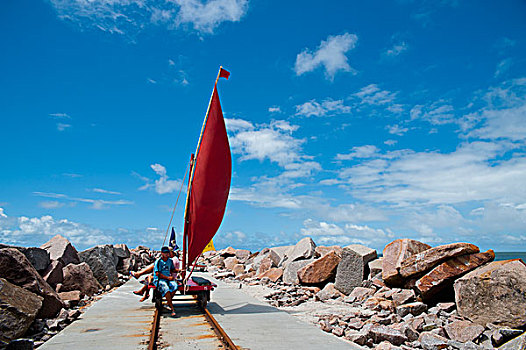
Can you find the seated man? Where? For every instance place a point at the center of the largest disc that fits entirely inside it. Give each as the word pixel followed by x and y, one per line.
pixel 163 278
pixel 149 279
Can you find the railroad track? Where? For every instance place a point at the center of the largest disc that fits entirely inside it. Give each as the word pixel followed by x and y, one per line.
pixel 193 328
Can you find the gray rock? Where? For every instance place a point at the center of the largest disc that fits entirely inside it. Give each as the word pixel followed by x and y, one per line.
pixel 328 292
pixel 379 333
pixel 59 248
pixel 359 294
pixel 230 262
pixel 463 331
pixel 304 249
pixel 103 264
pixel 121 251
pixel 403 296
pixel 414 309
pixel 518 343
pixel 20 344
pixel 290 273
pixel 491 293
pixel 17 269
pixel 375 267
pixel 242 254
pixel 353 267
pixel 18 309
pixel 430 341
pixel 38 257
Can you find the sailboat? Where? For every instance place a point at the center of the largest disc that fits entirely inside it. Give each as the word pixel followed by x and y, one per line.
pixel 207 195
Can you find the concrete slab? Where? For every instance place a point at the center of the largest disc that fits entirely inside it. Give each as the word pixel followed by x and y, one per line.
pixel 117 321
pixel 255 325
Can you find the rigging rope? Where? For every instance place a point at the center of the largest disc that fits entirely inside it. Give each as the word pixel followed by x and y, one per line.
pixel 175 206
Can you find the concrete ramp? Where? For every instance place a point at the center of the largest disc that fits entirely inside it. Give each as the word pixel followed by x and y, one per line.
pixel 117 321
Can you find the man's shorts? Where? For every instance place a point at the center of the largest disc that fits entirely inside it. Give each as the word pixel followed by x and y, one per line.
pixel 165 286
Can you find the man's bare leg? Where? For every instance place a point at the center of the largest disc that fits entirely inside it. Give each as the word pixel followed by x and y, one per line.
pixel 146 270
pixel 169 296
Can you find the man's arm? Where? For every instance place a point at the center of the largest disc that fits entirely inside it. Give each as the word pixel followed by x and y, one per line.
pixel 160 275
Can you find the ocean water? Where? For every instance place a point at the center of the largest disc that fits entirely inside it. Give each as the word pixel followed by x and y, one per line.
pixel 510 255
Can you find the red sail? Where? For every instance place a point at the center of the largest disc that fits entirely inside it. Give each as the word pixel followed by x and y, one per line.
pixel 211 181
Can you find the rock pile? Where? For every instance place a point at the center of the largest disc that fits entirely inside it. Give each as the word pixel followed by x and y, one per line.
pixel 42 289
pixel 414 297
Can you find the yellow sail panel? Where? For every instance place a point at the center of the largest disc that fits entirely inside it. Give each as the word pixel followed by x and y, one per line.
pixel 209 246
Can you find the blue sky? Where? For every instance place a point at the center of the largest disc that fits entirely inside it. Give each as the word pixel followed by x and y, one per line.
pixel 350 122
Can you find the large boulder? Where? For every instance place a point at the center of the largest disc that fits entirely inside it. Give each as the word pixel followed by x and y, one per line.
pixel 80 277
pixel 266 264
pixel 324 250
pixel 304 249
pixel 103 264
pixel 230 262
pixel 53 275
pixel 242 254
pixel 274 274
pixel 59 248
pixel 126 265
pixel 463 331
pixel 518 343
pixel 353 267
pixel 121 251
pixel 290 273
pixel 266 253
pixel 421 263
pixel 17 269
pixel 38 257
pixel 494 293
pixel 18 309
pixel 320 270
pixel 282 252
pixel 444 274
pixel 393 255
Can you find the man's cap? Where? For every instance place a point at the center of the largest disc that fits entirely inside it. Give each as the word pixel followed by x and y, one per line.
pixel 165 249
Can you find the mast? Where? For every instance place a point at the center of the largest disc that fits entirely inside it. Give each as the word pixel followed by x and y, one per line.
pixel 190 179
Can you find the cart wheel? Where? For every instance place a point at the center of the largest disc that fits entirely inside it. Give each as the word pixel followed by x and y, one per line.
pixel 202 299
pixel 158 300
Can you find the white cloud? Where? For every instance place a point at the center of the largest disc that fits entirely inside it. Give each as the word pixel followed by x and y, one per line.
pixel 234 125
pixel 129 17
pixel 205 17
pixel 437 113
pixel 330 54
pixel 329 233
pixel 396 129
pixel 272 142
pixel 502 67
pixel 60 115
pixel 50 204
pixel 284 125
pixel 366 151
pixel 397 49
pixel 373 95
pixel 163 184
pixel 390 142
pixel 151 81
pixel 62 126
pixel 96 203
pixel 34 231
pixel 101 190
pixel 326 108
pixel 274 109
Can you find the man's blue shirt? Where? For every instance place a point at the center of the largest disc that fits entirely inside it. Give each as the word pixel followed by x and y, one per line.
pixel 163 267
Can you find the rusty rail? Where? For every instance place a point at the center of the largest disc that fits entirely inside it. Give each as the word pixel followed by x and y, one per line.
pixel 218 330
pixel 152 345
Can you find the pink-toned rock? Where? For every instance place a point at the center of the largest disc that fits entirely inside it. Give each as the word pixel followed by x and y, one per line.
pixel 320 270
pixel 329 292
pixel 492 294
pixel 393 255
pixel 59 248
pixel 266 264
pixel 403 296
pixel 242 254
pixel 426 260
pixel 379 303
pixel 444 274
pixel 274 274
pixel 218 260
pixel 463 331
pixel 324 250
pixel 74 297
pixel 230 262
pixel 247 275
pixel 228 252
pixel 359 294
pixel 238 269
pixel 80 277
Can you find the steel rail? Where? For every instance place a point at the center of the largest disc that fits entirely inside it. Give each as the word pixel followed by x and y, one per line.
pixel 218 330
pixel 152 345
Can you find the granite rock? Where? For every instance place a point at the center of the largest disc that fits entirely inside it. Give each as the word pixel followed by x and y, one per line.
pixel 59 248
pixel 80 277
pixel 353 267
pixel 103 263
pixel 320 270
pixel 393 255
